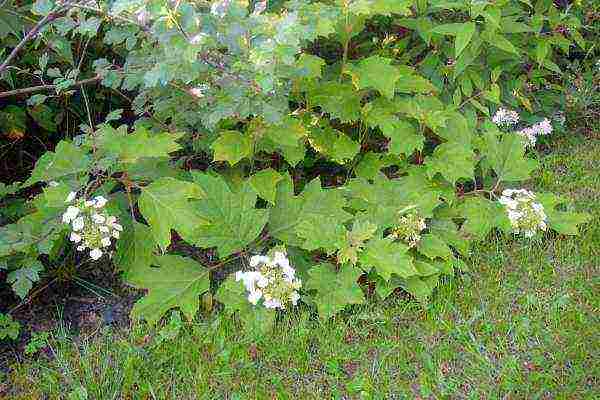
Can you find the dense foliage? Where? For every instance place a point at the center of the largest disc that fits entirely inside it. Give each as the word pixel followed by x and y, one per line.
pixel 359 146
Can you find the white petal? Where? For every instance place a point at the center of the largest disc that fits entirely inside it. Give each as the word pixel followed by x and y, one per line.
pixel 104 229
pixel 89 203
pixel 117 227
pixel 116 234
pixel 75 237
pixel 95 254
pixel 97 218
pixel 100 201
pixel 294 297
pixel 78 224
pixel 105 242
pixel 262 281
pixel 254 296
pixel 81 247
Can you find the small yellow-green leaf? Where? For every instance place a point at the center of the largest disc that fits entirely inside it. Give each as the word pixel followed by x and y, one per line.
pixel 264 183
pixel 232 146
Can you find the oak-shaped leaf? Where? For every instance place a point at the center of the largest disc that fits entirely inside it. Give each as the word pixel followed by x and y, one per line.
pixel 374 72
pixel 165 204
pixel 388 257
pixel 233 221
pixel 563 222
pixel 67 159
pixel 334 289
pixel 172 281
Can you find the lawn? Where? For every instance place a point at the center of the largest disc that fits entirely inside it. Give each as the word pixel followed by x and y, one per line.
pixel 522 323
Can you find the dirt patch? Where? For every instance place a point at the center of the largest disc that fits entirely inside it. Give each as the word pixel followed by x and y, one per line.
pixel 81 306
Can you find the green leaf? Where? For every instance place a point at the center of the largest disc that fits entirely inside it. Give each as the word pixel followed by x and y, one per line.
pixel 404 138
pixel 420 288
pixel 233 220
pixel 563 222
pixel 447 230
pixel 374 72
pixel 321 233
pixel 410 82
pixel 482 215
pixel 232 146
pixel 335 290
pixel 165 205
pixel 388 7
pixel 463 37
pixel 310 66
pixel 337 99
pixel 22 279
pixel 541 51
pixel 333 144
pixel 264 183
pixel 452 160
pixel 432 247
pixel 67 159
pixel 507 157
pixel 233 296
pixel 312 204
pixel 362 231
pixel 177 282
pixel 502 43
pixel 388 257
pixel 130 148
pixel 135 249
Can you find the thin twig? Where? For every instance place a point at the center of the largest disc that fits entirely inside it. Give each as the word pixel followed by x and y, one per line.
pixel 41 88
pixel 32 33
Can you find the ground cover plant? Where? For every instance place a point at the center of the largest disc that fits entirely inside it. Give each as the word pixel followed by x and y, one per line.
pixel 271 155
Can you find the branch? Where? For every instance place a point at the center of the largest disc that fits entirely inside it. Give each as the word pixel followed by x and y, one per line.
pixel 46 87
pixel 36 29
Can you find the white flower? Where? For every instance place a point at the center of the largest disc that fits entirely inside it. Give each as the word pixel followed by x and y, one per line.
pixel 105 242
pixel 71 197
pixel 294 298
pixel 281 259
pixel 98 219
pixel 115 234
pixel 273 303
pixel 78 224
pixel 75 237
pixel 256 260
pixel 81 247
pixel 100 201
pixel 262 281
pixel 254 296
pixel 524 213
pixel 117 227
pixel 89 203
pixel 505 117
pixel 95 254
pixel 70 214
pixel 104 229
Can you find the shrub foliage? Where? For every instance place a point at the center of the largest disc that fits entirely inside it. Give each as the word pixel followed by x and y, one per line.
pixel 355 136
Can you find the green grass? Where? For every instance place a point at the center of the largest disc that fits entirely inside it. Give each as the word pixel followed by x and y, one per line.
pixel 521 324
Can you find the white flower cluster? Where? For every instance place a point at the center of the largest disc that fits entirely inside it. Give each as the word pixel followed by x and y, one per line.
pixel 505 117
pixel 531 133
pixel 274 280
pixel 409 229
pixel 91 227
pixel 524 213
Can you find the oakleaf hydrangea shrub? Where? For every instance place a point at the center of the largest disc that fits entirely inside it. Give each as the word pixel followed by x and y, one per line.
pixel 322 147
